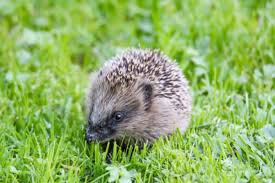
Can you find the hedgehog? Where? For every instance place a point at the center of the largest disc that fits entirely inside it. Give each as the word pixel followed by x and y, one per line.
pixel 140 95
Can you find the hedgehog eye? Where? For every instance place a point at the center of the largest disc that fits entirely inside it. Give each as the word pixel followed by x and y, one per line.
pixel 118 116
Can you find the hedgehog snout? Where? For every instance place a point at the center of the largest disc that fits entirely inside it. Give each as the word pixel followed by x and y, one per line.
pixel 98 133
pixel 91 135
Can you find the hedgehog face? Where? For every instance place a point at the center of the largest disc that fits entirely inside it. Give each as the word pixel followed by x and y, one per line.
pixel 113 111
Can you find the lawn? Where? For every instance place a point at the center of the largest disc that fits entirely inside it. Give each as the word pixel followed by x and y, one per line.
pixel 225 48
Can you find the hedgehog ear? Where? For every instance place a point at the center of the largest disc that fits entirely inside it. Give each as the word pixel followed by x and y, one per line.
pixel 147 90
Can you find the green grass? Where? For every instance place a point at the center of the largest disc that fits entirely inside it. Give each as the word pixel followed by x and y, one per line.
pixel 226 49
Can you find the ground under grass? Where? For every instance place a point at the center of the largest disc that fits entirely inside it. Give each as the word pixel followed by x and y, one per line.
pixel 225 48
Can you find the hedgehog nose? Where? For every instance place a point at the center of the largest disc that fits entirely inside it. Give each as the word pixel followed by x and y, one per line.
pixel 91 137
